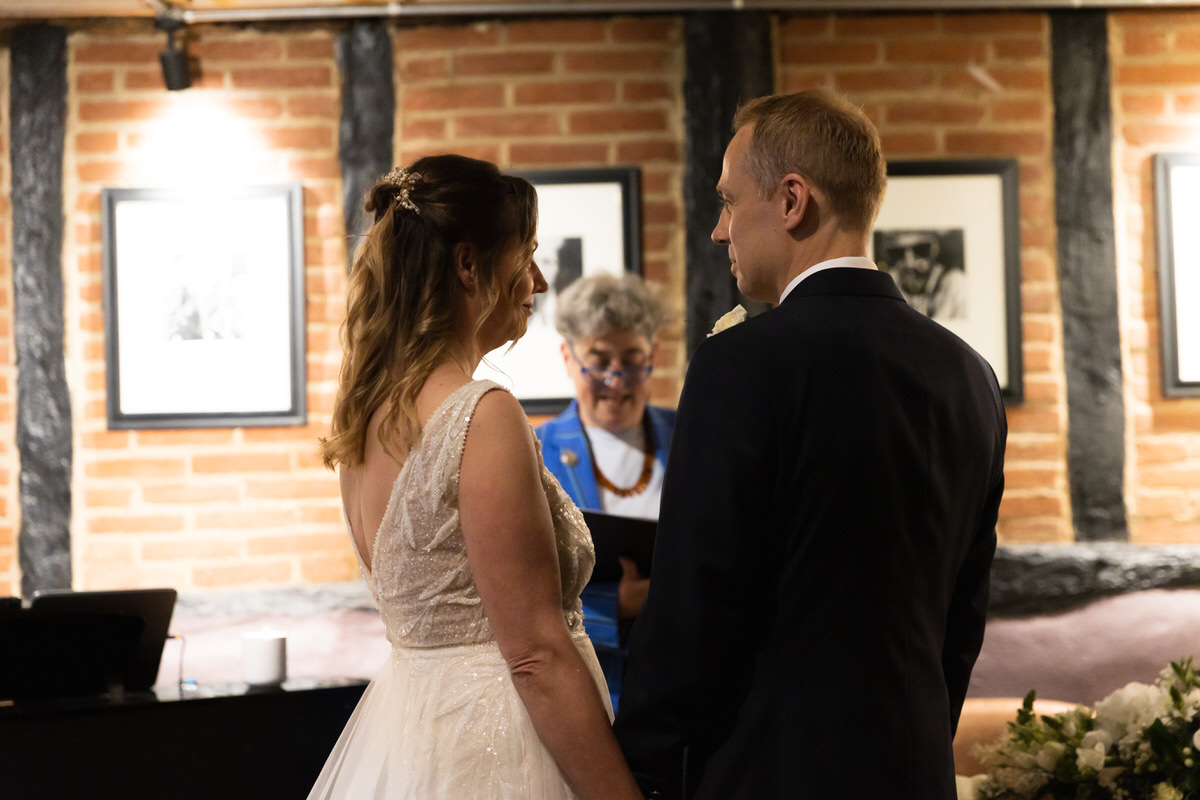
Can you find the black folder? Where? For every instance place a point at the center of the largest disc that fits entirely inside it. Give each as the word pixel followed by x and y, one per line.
pixel 615 536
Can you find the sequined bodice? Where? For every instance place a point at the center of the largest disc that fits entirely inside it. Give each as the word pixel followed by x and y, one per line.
pixel 422 581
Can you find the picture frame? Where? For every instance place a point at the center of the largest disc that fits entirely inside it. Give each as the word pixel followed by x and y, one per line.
pixel 203 294
pixel 1177 200
pixel 589 223
pixel 949 234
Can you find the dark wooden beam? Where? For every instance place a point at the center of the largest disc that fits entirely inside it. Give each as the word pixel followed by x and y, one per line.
pixel 367 127
pixel 38 112
pixel 728 62
pixel 1087 264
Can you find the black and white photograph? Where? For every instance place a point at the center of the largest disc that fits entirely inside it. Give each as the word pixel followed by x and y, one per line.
pixel 948 234
pixel 588 224
pixel 1177 193
pixel 203 299
pixel 928 267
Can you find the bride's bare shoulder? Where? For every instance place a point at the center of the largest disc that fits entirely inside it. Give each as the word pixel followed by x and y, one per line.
pixel 498 406
pixel 499 431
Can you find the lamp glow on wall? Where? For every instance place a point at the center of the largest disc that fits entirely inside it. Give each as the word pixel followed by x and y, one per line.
pixel 176 69
pixel 197 138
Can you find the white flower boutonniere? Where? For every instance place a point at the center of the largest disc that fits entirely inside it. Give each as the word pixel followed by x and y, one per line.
pixel 729 319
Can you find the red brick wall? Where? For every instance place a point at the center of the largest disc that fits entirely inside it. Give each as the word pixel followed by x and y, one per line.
pixel 568 93
pixel 910 73
pixel 216 508
pixel 222 508
pixel 1156 104
pixel 9 516
pixel 251 507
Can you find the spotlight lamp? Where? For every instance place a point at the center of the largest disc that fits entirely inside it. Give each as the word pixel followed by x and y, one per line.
pixel 176 69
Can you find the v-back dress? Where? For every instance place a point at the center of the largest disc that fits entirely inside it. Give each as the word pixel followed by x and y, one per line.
pixel 442 718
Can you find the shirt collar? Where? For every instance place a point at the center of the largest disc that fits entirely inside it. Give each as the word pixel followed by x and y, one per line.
pixel 856 262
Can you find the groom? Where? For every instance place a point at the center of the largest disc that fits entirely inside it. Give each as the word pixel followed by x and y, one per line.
pixel 828 519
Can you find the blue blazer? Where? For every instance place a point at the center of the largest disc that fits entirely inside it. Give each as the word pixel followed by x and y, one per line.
pixel 566 454
pixel 565 451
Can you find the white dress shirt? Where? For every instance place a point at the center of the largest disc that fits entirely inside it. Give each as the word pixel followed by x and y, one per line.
pixel 857 262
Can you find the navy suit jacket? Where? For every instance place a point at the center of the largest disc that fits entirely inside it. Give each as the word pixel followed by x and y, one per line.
pixel 821 568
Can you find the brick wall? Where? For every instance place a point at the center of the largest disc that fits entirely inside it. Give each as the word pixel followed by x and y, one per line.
pixel 1156 66
pixel 9 516
pixel 216 508
pixel 554 94
pixel 226 508
pixel 910 73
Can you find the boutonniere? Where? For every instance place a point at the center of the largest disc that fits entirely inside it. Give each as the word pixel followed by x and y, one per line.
pixel 729 319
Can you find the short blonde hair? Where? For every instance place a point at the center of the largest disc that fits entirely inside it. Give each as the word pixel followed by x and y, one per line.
pixel 826 139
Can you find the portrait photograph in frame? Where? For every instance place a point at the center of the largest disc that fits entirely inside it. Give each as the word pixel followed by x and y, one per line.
pixel 948 233
pixel 204 306
pixel 589 223
pixel 1177 201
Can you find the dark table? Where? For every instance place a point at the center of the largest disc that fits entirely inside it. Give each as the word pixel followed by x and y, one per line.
pixel 208 742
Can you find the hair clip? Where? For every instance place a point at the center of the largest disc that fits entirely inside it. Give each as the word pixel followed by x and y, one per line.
pixel 404 181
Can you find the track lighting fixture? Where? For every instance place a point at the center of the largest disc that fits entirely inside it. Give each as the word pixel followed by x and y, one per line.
pixel 176 69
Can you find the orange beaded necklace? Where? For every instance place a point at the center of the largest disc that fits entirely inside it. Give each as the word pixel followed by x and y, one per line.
pixel 640 486
pixel 643 480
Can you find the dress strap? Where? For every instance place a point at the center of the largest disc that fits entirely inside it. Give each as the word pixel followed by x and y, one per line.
pixel 460 408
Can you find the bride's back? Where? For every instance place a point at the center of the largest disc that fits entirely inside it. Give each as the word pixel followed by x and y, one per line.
pixel 420 576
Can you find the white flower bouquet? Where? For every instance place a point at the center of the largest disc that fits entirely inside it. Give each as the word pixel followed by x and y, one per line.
pixel 1139 743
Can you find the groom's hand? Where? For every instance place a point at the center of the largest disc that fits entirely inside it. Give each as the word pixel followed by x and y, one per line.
pixel 632 590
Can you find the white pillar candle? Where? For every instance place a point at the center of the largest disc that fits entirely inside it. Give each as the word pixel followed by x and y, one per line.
pixel 264 658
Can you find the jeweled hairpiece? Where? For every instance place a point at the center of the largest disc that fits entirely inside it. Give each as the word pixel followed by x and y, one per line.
pixel 404 181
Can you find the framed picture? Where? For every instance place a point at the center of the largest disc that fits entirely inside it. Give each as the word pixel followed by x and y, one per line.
pixel 1177 197
pixel 204 307
pixel 949 234
pixel 588 223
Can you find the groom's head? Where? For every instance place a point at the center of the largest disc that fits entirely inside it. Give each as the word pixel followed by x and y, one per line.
pixel 824 138
pixel 803 176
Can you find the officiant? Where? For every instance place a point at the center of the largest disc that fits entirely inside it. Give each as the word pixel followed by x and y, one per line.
pixel 608 448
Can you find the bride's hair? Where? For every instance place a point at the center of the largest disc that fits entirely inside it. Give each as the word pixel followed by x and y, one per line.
pixel 403 291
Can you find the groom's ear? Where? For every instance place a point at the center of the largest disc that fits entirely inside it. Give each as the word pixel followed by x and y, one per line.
pixel 796 194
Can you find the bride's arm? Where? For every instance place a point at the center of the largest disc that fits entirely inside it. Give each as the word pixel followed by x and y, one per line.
pixel 510 544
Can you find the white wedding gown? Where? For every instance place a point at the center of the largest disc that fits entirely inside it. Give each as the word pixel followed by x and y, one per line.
pixel 442 718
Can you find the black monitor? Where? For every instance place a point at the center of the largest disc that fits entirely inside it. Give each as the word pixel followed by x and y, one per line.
pixel 80 643
pixel 616 536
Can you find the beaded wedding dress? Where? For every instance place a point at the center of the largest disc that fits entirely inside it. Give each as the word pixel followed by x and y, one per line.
pixel 442 718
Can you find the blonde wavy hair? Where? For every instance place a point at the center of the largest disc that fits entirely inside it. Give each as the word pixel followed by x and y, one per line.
pixel 403 296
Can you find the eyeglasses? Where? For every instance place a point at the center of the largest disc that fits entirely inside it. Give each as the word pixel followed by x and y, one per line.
pixel 919 250
pixel 632 375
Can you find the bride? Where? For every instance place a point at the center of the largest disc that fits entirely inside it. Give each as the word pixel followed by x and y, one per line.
pixel 474 554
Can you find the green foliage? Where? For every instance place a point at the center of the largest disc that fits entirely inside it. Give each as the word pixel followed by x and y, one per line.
pixel 1139 743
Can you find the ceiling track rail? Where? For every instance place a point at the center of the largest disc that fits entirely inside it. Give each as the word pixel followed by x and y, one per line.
pixel 194 16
